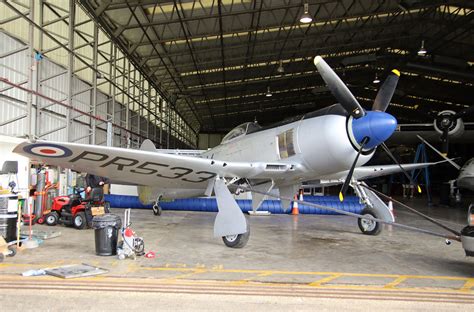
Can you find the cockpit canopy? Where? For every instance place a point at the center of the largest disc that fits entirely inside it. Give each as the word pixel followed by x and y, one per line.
pixel 241 130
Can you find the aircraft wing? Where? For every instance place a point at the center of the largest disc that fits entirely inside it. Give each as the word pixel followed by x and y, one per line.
pixel 145 167
pixel 367 172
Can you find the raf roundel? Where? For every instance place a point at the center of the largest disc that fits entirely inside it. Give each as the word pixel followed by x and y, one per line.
pixel 48 150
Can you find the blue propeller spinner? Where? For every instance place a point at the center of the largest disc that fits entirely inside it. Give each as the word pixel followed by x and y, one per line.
pixel 377 126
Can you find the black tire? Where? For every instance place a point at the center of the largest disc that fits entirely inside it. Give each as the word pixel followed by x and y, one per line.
pixel 236 241
pixel 79 220
pixel 52 218
pixel 107 207
pixel 12 250
pixel 368 227
pixel 156 210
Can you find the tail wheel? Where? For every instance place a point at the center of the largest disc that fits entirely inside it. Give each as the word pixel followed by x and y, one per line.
pixel 369 227
pixel 79 220
pixel 40 220
pixel 156 210
pixel 52 218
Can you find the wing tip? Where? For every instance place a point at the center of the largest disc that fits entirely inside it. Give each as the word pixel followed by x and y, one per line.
pixel 396 72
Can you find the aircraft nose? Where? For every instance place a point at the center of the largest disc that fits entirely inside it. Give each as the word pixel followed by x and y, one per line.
pixel 377 126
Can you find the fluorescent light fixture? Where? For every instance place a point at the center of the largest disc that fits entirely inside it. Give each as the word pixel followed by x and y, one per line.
pixel 422 51
pixel 280 68
pixel 306 17
pixel 269 93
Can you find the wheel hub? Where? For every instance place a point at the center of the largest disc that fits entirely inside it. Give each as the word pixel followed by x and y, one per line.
pixel 231 238
pixel 368 225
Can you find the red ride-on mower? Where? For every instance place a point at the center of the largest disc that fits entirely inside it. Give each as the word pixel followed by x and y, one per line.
pixel 75 211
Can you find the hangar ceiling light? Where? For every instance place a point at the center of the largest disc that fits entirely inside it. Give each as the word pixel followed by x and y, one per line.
pixel 269 93
pixel 376 79
pixel 280 68
pixel 306 17
pixel 422 50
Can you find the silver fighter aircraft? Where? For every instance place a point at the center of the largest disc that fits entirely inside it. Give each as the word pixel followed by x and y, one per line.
pixel 329 145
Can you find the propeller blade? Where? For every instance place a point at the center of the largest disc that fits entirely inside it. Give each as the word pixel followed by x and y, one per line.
pixel 389 153
pixel 345 186
pixel 385 94
pixel 464 112
pixel 338 88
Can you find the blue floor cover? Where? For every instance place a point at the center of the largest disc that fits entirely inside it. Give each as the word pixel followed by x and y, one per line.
pixel 350 204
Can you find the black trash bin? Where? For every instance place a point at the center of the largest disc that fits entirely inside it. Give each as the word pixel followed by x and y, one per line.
pixel 106 229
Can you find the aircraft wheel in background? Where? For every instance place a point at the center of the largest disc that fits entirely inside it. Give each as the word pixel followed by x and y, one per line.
pixel 369 227
pixel 156 210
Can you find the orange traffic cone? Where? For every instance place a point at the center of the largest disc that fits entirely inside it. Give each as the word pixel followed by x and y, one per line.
pixel 295 210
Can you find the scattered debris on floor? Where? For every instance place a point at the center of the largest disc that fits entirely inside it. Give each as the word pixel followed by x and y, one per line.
pixel 42 234
pixel 68 271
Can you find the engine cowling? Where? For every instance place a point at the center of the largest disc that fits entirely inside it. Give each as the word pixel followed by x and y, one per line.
pixel 444 120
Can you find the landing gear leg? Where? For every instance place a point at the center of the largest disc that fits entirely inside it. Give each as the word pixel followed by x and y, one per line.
pixel 374 208
pixel 156 207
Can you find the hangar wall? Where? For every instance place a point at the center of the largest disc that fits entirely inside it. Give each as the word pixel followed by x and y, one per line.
pixel 68 67
pixel 49 122
pixel 209 140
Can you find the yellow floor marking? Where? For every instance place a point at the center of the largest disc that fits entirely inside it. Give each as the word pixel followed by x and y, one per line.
pixel 188 271
pixel 395 282
pixel 324 280
pixel 249 279
pixel 143 282
pixel 198 271
pixel 468 285
pixel 311 273
pixel 132 267
pixel 218 270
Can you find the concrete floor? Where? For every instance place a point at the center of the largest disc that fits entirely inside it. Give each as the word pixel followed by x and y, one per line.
pixel 308 260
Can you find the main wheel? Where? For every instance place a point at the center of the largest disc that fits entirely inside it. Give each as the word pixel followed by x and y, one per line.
pixel 236 241
pixel 369 227
pixel 79 220
pixel 52 218
pixel 156 210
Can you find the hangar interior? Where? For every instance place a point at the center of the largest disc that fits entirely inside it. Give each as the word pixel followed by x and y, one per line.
pixel 184 73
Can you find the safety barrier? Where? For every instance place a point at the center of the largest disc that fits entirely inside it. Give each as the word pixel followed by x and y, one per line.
pixel 350 204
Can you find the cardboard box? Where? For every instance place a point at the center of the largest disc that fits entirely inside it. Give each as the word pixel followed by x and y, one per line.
pixel 96 211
